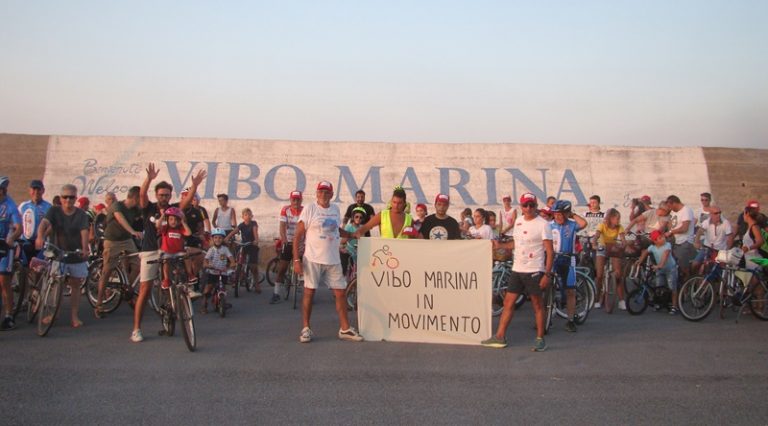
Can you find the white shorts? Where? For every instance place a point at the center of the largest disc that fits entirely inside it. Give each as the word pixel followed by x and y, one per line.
pixel 317 273
pixel 149 271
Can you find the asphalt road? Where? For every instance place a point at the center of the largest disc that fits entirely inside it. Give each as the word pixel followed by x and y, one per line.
pixel 250 369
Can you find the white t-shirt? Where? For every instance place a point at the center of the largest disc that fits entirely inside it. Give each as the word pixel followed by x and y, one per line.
pixel 322 233
pixel 484 232
pixel 529 247
pixel 717 235
pixel 506 219
pixel 677 219
pixel 593 219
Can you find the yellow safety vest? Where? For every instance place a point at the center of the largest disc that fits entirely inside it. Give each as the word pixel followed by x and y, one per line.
pixel 386 225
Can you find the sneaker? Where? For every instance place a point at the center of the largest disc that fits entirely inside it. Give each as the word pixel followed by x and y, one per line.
pixel 598 305
pixel 194 294
pixel 8 324
pixel 570 326
pixel 306 335
pixel 350 334
pixel 136 336
pixel 275 299
pixel 622 305
pixel 539 345
pixel 673 311
pixel 493 342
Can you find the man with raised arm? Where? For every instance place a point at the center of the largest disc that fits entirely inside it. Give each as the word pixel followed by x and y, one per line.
pixel 150 248
pixel 531 270
pixel 319 227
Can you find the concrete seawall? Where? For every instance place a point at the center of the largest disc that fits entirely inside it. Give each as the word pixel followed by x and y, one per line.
pixel 260 173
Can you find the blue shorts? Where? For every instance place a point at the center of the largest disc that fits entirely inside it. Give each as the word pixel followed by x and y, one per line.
pixel 565 268
pixel 6 264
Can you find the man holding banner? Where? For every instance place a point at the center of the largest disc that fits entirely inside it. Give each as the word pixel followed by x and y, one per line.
pixel 531 270
pixel 319 227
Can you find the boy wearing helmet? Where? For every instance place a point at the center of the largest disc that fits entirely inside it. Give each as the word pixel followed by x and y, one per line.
pixel 217 260
pixel 564 228
pixel 172 228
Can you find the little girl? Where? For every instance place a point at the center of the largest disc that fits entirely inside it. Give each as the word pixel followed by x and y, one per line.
pixel 217 260
pixel 172 228
pixel 608 233
pixel 666 266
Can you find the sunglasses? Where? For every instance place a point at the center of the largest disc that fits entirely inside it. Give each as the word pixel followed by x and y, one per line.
pixel 68 197
pixel 164 195
pixel 528 205
pixel 357 216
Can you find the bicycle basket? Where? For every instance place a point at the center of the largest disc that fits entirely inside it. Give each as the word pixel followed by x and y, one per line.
pixel 614 250
pixel 37 265
pixel 502 255
pixel 632 249
pixel 731 257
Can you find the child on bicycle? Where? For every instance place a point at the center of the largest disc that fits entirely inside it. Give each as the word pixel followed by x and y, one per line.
pixel 665 267
pixel 218 260
pixel 249 233
pixel 348 247
pixel 172 227
pixel 608 234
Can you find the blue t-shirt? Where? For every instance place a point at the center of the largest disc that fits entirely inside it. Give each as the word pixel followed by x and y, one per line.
pixel 658 252
pixel 9 215
pixel 351 245
pixel 31 216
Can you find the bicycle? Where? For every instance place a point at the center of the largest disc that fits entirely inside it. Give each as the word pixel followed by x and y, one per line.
pixel 49 301
pixel 243 275
pixel 697 295
pixel 18 278
pixel 295 282
pixel 351 291
pixel 175 302
pixel 219 298
pixel 118 286
pixel 555 297
pixel 270 272
pixel 648 292
pixel 499 277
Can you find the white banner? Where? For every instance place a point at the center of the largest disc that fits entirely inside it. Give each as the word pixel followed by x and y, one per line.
pixel 424 291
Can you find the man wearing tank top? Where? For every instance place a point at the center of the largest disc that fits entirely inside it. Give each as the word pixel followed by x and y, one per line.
pixel 593 216
pixel 224 216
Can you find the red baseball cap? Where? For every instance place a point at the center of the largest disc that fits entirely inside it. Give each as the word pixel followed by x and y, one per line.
pixel 753 204
pixel 82 200
pixel 656 234
pixel 646 198
pixel 423 206
pixel 527 197
pixel 506 197
pixel 296 195
pixel 99 206
pixel 324 185
pixel 442 197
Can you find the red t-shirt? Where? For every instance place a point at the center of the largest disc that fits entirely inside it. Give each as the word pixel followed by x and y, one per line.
pixel 172 239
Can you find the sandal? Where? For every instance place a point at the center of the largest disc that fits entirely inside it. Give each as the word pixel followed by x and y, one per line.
pixel 77 324
pixel 99 313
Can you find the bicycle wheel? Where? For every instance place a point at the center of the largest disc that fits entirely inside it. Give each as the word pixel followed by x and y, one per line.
pixel 637 301
pixel 351 294
pixel 499 290
pixel 270 273
pixel 184 306
pixel 585 298
pixel 610 292
pixel 549 306
pixel 33 298
pixel 237 278
pixel 758 301
pixel 221 305
pixel 112 287
pixel 696 299
pixel 297 285
pixel 49 305
pixel 19 286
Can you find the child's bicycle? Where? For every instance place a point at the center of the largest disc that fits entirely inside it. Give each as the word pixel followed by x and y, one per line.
pixel 219 295
pixel 175 303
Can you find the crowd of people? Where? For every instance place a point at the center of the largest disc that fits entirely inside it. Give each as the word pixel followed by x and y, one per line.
pixel 321 242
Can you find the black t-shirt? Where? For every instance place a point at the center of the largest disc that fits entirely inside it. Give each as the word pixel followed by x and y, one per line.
pixel 114 231
pixel 246 231
pixel 66 229
pixel 440 229
pixel 196 219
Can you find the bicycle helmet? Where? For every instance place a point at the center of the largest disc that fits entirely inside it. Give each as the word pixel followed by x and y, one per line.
pixel 4 181
pixel 562 206
pixel 174 211
pixel 218 231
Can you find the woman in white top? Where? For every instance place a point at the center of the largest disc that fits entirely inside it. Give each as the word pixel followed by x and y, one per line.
pixel 480 230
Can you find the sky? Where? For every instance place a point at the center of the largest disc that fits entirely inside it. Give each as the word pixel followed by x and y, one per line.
pixel 642 73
